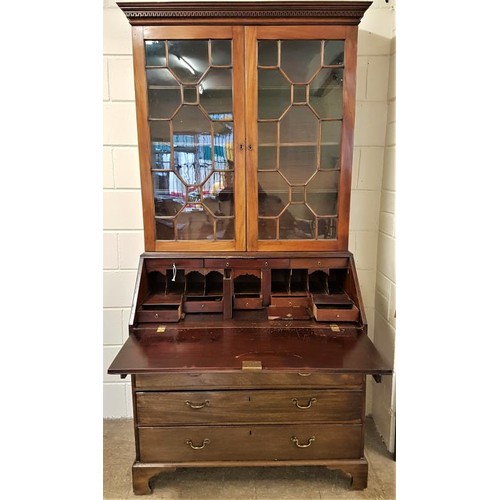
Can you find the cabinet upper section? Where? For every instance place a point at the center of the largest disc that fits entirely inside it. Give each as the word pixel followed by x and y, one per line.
pixel 245 131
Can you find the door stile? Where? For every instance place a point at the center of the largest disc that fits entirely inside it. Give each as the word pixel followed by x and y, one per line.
pixel 240 197
pixel 251 136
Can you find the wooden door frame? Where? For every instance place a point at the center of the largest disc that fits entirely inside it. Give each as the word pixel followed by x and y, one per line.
pixel 139 35
pixel 349 35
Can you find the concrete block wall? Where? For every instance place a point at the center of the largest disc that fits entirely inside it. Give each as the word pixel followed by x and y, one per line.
pixel 122 224
pixel 384 402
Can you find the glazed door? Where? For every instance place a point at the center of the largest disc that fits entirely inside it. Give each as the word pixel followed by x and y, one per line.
pixel 190 112
pixel 300 92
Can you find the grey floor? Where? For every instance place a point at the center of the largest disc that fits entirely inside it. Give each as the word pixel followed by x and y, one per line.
pixel 245 483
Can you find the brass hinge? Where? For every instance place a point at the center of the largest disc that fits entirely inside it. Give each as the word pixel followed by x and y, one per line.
pixel 161 329
pixel 335 328
pixel 251 365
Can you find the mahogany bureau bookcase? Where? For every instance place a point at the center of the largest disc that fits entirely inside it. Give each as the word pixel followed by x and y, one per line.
pixel 248 338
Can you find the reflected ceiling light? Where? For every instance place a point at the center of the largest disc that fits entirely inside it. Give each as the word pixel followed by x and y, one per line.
pixel 189 67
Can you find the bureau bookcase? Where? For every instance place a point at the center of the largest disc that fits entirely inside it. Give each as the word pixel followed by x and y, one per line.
pixel 248 338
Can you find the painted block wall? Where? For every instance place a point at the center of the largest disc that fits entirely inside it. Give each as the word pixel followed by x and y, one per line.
pixel 122 221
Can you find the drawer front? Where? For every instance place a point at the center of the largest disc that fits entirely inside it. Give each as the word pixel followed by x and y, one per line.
pixel 160 316
pixel 210 407
pixel 246 263
pixel 265 442
pixel 332 314
pixel 319 263
pixel 247 303
pixel 250 380
pixel 163 264
pixel 200 306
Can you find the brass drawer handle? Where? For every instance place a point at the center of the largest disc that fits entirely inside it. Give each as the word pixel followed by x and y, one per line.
pixel 311 401
pixel 194 447
pixel 197 406
pixel 295 441
pixel 304 374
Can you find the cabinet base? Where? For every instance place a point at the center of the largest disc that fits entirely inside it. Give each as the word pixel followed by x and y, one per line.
pixel 142 473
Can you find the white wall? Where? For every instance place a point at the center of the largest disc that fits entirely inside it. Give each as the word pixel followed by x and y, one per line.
pixel 123 235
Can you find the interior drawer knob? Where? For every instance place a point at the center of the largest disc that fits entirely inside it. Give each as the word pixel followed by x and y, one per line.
pixel 196 406
pixel 194 447
pixel 296 402
pixel 295 441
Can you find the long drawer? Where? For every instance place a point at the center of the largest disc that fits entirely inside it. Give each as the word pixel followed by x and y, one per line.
pixel 211 407
pixel 264 442
pixel 250 380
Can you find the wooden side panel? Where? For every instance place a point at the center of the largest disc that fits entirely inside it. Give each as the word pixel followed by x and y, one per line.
pixel 141 106
pixel 349 97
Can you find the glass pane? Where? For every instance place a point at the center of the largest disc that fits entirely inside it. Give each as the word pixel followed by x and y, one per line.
pixel 155 53
pixel 268 132
pixel 300 59
pixel 334 52
pixel 327 228
pixel 273 193
pixel 216 91
pixel 298 145
pixel 165 229
pixel 160 144
pixel 267 229
pixel 268 53
pixel 330 145
pixel 305 97
pixel 297 222
pixel 225 229
pixel 221 52
pixel 169 193
pixel 218 194
pixel 326 93
pixel 192 145
pixel 194 223
pixel 164 93
pixel 322 193
pixel 274 93
pixel 223 145
pixel 188 59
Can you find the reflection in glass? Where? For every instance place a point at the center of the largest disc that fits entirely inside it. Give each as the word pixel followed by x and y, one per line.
pixel 326 93
pixel 298 222
pixel 169 193
pixel 155 53
pixel 192 139
pixel 188 59
pixel 300 59
pixel 221 52
pixel 268 53
pixel 218 194
pixel 160 144
pixel 194 223
pixel 165 229
pixel 273 193
pixel 225 229
pixel 217 93
pixel 273 93
pixel 223 145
